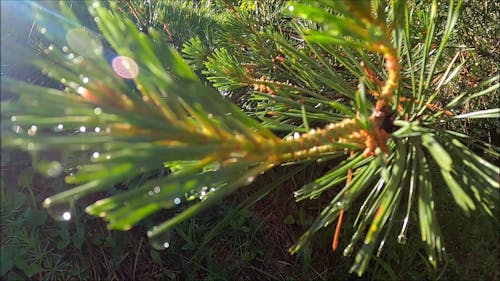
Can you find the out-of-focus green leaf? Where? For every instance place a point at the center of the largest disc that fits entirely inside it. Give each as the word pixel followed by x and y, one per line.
pixel 437 151
pixel 7 258
pixel 29 269
pixel 429 228
pixel 35 217
pixel 462 199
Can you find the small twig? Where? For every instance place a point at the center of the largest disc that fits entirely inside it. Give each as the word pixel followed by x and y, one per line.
pixel 134 12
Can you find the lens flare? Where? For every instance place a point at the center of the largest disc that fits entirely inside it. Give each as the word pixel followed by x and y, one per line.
pixel 84 42
pixel 125 67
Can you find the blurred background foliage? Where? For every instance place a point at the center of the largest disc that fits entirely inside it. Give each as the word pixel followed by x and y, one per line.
pixel 250 238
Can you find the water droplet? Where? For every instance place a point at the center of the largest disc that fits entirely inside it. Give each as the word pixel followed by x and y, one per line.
pixel 97 110
pixel 51 47
pixel 59 128
pixel 177 201
pixel 402 235
pixel 43 30
pixel 191 195
pixel 381 246
pixel 17 129
pixel 66 216
pixel 78 60
pixel 157 189
pixel 432 260
pixel 80 90
pixel 340 204
pixel 95 155
pixel 159 241
pixel 108 156
pixel 296 135
pixel 348 249
pixel 54 168
pixel 291 8
pixel 62 211
pixel 97 129
pixel 96 19
pixel 85 80
pixel 13 118
pixel 150 193
pixel 32 130
pixel 402 239
pixel 71 56
pixel 65 49
pixel 63 80
pixel 83 129
pixel 250 179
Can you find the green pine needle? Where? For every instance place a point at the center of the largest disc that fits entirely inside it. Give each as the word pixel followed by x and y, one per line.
pixel 340 81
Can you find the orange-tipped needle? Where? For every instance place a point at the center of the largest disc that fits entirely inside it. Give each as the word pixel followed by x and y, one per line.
pixel 335 242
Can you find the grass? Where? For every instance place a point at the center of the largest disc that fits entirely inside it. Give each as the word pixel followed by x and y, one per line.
pixel 233 241
pixel 245 239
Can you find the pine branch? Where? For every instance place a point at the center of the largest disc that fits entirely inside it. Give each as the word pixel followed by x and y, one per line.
pixel 375 89
pixel 169 117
